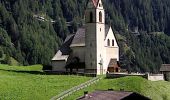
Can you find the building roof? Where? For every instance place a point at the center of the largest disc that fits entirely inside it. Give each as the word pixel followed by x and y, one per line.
pixel 79 38
pixel 64 51
pixel 74 40
pixel 113 63
pixel 95 2
pixel 165 68
pixel 113 95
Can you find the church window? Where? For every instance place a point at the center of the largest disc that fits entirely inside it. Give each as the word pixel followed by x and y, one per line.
pixel 100 29
pixel 100 16
pixel 108 42
pixel 99 5
pixel 112 42
pixel 91 17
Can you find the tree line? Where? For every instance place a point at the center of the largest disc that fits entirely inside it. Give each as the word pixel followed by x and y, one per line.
pixel 31 41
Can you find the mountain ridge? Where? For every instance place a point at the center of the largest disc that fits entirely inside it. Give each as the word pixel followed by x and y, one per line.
pixel 31 41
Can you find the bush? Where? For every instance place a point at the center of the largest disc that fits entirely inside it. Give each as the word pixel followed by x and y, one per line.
pixel 6 60
pixel 47 67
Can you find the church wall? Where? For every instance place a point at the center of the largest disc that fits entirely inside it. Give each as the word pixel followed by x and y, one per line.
pixel 90 53
pixel 95 33
pixel 111 53
pixel 90 40
pixel 79 52
pixel 100 34
pixel 111 50
pixel 100 46
pixel 58 66
pixel 111 37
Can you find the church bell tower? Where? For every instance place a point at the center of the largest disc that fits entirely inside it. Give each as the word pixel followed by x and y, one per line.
pixel 95 33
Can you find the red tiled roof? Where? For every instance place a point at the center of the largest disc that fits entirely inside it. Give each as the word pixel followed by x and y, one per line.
pixel 95 2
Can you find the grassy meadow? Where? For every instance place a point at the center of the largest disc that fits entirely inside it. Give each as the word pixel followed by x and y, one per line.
pixel 19 83
pixel 30 83
pixel 155 90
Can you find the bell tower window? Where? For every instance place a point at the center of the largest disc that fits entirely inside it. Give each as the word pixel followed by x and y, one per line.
pixel 91 17
pixel 100 16
pixel 99 5
pixel 108 42
pixel 113 43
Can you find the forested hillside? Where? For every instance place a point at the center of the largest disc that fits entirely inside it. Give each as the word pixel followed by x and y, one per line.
pixel 31 31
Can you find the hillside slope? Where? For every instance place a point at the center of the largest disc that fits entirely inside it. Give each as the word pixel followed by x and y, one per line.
pixel 154 90
pixel 31 31
pixel 28 83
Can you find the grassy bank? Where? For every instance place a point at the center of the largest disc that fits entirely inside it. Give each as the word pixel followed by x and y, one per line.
pixel 18 83
pixel 154 90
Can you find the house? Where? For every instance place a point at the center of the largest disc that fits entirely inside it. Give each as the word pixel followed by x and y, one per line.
pixel 93 49
pixel 113 95
pixel 165 69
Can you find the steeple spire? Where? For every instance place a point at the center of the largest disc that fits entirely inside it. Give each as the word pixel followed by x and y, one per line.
pixel 95 2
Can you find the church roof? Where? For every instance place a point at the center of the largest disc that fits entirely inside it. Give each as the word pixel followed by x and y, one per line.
pixel 79 38
pixel 64 50
pixel 95 2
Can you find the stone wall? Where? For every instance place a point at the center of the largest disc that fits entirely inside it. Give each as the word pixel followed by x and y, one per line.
pixel 58 66
pixel 151 77
pixel 118 75
pixel 155 77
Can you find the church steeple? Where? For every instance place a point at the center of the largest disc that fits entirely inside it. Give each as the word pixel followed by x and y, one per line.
pixel 95 33
pixel 95 2
pixel 100 47
pixel 95 12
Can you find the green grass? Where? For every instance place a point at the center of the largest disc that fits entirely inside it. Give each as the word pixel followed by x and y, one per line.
pixel 16 83
pixel 21 68
pixel 155 90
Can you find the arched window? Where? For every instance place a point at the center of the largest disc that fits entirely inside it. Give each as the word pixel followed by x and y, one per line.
pixel 100 16
pixel 91 17
pixel 113 43
pixel 108 42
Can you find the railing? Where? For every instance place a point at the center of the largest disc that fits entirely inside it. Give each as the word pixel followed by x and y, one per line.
pixel 76 88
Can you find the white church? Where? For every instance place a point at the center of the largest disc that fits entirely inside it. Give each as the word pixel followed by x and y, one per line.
pixel 93 49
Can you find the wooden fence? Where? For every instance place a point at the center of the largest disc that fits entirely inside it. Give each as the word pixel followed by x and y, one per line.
pixel 76 88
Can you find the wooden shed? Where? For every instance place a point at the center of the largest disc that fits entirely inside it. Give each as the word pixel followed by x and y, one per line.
pixel 113 66
pixel 165 69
